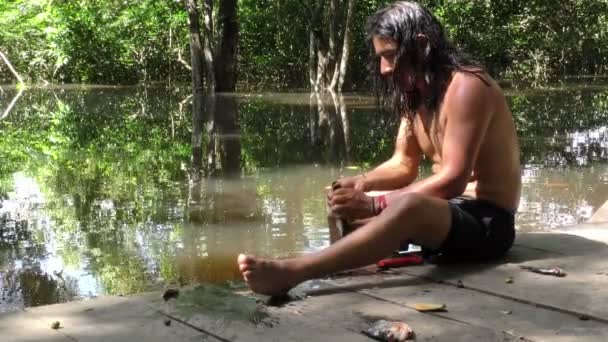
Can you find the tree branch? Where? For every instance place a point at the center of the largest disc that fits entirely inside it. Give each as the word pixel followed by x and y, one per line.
pixel 182 60
pixel 10 67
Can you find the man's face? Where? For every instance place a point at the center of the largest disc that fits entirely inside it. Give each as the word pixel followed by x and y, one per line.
pixel 386 50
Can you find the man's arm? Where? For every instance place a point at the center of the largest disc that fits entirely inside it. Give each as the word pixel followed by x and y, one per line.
pixel 402 168
pixel 468 118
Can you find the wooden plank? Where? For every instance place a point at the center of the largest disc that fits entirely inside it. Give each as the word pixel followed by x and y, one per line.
pixel 339 316
pixel 485 310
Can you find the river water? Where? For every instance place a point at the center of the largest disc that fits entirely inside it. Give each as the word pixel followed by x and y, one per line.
pixel 98 195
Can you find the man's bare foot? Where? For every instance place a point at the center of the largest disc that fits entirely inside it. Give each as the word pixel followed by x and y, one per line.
pixel 267 276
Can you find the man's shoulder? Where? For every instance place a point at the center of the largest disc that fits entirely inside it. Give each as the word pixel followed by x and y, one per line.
pixel 472 85
pixel 471 93
pixel 472 79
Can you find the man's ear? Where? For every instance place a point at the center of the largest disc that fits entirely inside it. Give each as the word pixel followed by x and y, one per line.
pixel 423 47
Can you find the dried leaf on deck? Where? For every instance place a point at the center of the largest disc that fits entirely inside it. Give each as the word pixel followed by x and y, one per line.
pixel 426 307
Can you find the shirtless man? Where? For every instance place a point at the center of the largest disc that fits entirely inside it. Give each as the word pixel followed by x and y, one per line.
pixel 451 112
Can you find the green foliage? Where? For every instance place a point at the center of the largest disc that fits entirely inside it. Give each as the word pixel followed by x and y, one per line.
pixel 536 41
pixel 273 44
pixel 118 41
pixel 531 41
pixel 109 41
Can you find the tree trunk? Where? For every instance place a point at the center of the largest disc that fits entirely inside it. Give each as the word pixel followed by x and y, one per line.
pixel 10 67
pixel 322 47
pixel 225 72
pixel 322 61
pixel 197 85
pixel 318 47
pixel 208 45
pixel 340 72
pixel 170 52
pixel 334 20
pixel 312 62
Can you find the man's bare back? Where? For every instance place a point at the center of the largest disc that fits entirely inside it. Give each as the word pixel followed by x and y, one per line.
pixel 496 175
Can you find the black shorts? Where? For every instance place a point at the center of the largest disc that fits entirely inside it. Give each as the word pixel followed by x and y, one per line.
pixel 480 230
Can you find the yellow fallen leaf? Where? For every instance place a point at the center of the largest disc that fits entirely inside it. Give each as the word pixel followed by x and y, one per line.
pixel 352 167
pixel 425 307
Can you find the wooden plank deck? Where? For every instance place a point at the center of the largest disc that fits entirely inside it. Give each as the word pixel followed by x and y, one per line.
pixel 532 307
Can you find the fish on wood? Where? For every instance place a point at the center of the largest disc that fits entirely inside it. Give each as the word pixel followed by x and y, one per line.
pixel 384 330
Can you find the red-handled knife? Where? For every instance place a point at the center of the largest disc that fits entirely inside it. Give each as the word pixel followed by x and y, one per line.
pixel 408 260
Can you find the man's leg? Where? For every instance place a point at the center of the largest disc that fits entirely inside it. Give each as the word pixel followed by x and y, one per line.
pixel 423 219
pixel 338 230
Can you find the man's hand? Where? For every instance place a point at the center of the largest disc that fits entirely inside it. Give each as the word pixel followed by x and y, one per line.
pixel 354 182
pixel 350 203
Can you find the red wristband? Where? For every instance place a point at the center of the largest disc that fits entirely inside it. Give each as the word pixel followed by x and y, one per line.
pixel 379 204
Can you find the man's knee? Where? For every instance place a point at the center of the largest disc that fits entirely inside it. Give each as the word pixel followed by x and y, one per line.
pixel 425 220
pixel 408 205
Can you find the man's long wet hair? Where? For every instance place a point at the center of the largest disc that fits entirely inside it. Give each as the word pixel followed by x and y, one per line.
pixel 403 21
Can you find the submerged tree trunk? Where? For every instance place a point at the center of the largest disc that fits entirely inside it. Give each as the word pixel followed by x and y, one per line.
pixel 312 119
pixel 342 117
pixel 208 45
pixel 227 123
pixel 226 72
pixel 197 85
pixel 210 130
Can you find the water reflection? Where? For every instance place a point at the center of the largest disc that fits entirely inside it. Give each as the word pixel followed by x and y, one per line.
pixel 98 192
pixel 554 198
pixel 329 125
pixel 562 128
pixel 10 106
pixel 219 141
pixel 25 276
